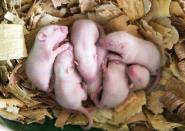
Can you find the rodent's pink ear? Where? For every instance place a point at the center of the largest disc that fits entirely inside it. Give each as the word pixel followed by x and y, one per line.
pixel 42 36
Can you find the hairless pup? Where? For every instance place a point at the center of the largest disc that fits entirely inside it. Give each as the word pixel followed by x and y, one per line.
pixel 84 36
pixel 39 65
pixel 68 84
pixel 115 84
pixel 133 50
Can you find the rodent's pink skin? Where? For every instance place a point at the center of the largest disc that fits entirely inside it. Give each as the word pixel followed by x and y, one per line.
pixel 139 76
pixel 39 65
pixel 68 89
pixel 84 35
pixel 133 50
pixel 115 84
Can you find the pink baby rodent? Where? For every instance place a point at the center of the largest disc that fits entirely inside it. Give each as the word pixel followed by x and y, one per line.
pixel 84 35
pixel 39 65
pixel 139 76
pixel 115 84
pixel 68 88
pixel 133 50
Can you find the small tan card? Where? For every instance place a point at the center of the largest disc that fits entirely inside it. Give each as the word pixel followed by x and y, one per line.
pixel 12 43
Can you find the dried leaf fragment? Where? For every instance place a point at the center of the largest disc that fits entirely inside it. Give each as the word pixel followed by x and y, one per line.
pixel 154 103
pixel 47 19
pixel 175 85
pixel 179 23
pixel 86 5
pixel 131 98
pixel 175 9
pixel 160 8
pixel 182 2
pixel 123 128
pixel 180 49
pixel 165 76
pixel 160 31
pixel 134 9
pixel 137 118
pixel 120 23
pixel 106 127
pixel 35 13
pixel 9 47
pixel 148 32
pixel 169 32
pixel 175 70
pixel 68 21
pixel 181 67
pixel 102 115
pixel 62 118
pixel 77 120
pixel 104 12
pixel 131 109
pixel 158 122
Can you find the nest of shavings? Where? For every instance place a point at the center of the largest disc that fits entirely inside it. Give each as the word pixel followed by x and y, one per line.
pixel 159 21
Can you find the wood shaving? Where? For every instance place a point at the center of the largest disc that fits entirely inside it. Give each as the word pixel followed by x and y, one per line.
pixel 9 47
pixel 175 85
pixel 175 9
pixel 62 118
pixel 160 123
pixel 134 9
pixel 170 34
pixel 77 120
pixel 181 67
pixel 179 23
pixel 10 102
pixel 21 95
pixel 36 115
pixel 11 116
pixel 102 116
pixel 13 18
pixel 133 108
pixel 107 127
pixel 179 50
pixel 160 8
pixel 120 23
pixel 172 101
pixel 86 5
pixel 3 74
pixel 137 118
pixel 104 12
pixel 154 102
pixel 57 3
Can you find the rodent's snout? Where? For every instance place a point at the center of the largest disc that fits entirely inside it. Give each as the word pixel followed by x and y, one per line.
pixel 131 71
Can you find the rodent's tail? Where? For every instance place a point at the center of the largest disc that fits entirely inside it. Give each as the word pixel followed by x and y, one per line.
pixel 94 98
pixel 89 116
pixel 155 82
pixel 101 30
